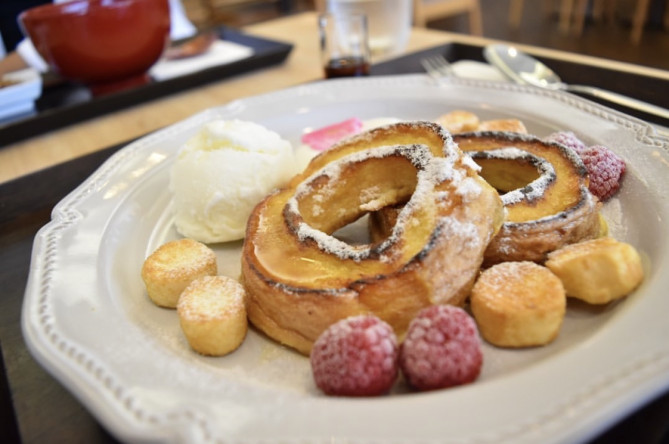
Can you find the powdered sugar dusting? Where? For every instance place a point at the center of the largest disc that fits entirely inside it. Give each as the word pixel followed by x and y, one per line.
pixel 469 189
pixel 176 259
pixel 450 150
pixel 534 190
pixel 331 244
pixel 356 356
pixel 431 171
pixel 566 138
pixel 442 348
pixel 469 162
pixel 499 276
pixel 606 170
pixel 368 194
pixel 211 297
pixel 519 286
pixel 464 232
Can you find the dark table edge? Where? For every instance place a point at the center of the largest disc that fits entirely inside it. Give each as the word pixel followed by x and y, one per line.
pixel 640 86
pixel 35 192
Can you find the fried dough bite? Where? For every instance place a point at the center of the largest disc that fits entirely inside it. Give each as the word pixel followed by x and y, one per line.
pixel 518 304
pixel 174 265
pixel 597 271
pixel 212 315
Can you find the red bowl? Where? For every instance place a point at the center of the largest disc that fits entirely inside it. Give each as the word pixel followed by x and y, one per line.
pixel 99 41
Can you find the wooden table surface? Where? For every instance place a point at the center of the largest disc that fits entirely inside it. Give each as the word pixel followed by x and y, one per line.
pixel 301 66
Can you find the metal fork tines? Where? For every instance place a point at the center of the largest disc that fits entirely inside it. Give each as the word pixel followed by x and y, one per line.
pixel 438 67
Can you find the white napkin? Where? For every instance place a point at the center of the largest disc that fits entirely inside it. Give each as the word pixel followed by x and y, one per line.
pixel 472 69
pixel 219 53
pixel 20 98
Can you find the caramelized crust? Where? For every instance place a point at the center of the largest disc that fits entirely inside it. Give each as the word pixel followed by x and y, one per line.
pixel 300 279
pixel 554 210
pixel 544 188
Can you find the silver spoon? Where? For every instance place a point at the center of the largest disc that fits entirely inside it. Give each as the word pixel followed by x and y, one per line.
pixel 526 70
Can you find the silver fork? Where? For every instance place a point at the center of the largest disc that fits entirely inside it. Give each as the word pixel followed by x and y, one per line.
pixel 438 67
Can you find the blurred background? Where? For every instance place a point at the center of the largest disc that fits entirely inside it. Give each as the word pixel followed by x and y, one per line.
pixel 606 29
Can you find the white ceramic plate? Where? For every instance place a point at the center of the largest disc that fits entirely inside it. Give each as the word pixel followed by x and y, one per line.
pixel 88 320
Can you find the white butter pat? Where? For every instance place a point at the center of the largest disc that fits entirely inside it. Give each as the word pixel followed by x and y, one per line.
pixel 222 173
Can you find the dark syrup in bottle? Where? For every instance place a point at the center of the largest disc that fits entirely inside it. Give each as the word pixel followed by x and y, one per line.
pixel 347 67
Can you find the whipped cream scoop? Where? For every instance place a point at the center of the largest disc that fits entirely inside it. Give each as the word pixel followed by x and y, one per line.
pixel 221 173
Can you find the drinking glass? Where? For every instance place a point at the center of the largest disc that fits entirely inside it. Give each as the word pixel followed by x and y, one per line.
pixel 344 44
pixel 389 22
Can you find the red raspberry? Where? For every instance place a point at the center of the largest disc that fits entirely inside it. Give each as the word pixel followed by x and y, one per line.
pixel 605 169
pixel 568 139
pixel 356 356
pixel 442 349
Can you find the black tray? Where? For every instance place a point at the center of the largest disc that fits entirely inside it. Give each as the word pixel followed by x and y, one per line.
pixel 65 103
pixel 649 89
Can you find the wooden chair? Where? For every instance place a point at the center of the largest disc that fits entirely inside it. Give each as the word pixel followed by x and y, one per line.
pixel 565 10
pixel 516 11
pixel 425 10
pixel 599 9
pixel 607 7
pixel 639 19
pixel 226 11
pixel 640 16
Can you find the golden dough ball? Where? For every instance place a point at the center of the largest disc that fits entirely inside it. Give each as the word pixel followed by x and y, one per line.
pixel 597 271
pixel 458 121
pixel 509 125
pixel 518 304
pixel 173 266
pixel 212 315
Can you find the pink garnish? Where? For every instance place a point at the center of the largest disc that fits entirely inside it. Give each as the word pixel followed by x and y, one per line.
pixel 323 138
